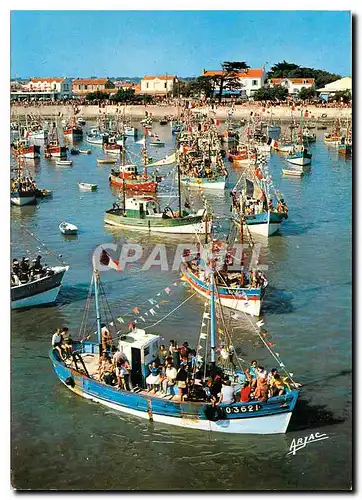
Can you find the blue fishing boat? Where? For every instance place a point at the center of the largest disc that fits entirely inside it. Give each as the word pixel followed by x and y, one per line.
pixel 253 206
pixel 79 373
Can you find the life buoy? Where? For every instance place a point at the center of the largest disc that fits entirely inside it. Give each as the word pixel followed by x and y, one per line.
pixel 214 413
pixel 70 381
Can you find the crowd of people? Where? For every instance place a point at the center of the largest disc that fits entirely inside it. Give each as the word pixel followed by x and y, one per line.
pixel 23 185
pixel 24 272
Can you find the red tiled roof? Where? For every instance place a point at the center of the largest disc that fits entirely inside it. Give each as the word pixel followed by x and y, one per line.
pixel 293 80
pixel 90 81
pixel 46 79
pixel 163 77
pixel 250 73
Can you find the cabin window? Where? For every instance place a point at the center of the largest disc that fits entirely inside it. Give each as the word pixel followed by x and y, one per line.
pixel 146 351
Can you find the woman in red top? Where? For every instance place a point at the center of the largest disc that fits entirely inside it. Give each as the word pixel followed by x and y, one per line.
pixel 245 392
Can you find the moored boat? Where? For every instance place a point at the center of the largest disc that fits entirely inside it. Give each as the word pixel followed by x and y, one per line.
pixel 67 228
pixel 144 213
pixel 293 172
pixel 64 163
pixel 40 291
pixel 85 186
pixel 106 161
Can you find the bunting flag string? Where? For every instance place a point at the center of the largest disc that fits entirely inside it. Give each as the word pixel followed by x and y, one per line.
pixel 154 303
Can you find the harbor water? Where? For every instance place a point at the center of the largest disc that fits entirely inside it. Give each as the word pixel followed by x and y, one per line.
pixel 60 441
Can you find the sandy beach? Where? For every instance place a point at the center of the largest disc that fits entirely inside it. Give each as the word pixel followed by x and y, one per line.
pixel 282 113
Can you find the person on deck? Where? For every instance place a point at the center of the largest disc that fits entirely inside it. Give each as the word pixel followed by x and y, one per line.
pixel 67 341
pixel 245 392
pixel 153 379
pixel 181 379
pixel 226 395
pixel 57 343
pixel 169 383
pixel 107 341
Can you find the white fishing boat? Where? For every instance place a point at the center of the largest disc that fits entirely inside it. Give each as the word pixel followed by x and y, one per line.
pixel 64 163
pixel 68 228
pixel 85 151
pixel 301 157
pixel 85 186
pixel 293 172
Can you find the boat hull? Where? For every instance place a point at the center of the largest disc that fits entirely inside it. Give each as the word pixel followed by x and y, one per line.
pixel 250 304
pixel 20 199
pixel 301 161
pixel 237 418
pixel 189 225
pixel 131 185
pixel 32 152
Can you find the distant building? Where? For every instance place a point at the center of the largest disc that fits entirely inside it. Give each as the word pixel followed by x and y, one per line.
pixel 83 86
pixel 341 85
pixel 294 85
pixel 251 80
pixel 158 85
pixel 54 88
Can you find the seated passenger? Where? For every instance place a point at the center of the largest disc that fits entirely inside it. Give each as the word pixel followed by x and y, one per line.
pixel 245 392
pixel 169 382
pixel 278 387
pixel 226 394
pixel 105 369
pixel 57 343
pixel 67 341
pixel 153 379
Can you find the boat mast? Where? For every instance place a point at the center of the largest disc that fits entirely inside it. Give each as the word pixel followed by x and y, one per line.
pixel 98 313
pixel 179 189
pixel 212 320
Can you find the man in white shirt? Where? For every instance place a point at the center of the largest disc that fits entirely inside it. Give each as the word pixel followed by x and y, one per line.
pixel 227 393
pixel 56 343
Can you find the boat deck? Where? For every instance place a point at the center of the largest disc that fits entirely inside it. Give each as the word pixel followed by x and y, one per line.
pixel 91 363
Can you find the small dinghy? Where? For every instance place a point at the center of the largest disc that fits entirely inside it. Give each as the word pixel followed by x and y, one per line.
pixel 68 228
pixel 64 163
pixel 293 172
pixel 106 161
pixel 85 186
pixel 85 151
pixel 74 151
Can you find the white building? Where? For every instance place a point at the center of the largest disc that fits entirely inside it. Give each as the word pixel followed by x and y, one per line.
pixel 250 79
pixel 158 85
pixel 294 85
pixel 341 85
pixel 53 88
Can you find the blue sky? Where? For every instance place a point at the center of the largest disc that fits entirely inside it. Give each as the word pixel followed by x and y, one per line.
pixel 135 43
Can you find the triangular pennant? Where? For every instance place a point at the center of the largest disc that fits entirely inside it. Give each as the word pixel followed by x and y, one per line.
pixel 120 319
pixel 143 319
pixel 153 312
pixel 203 336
